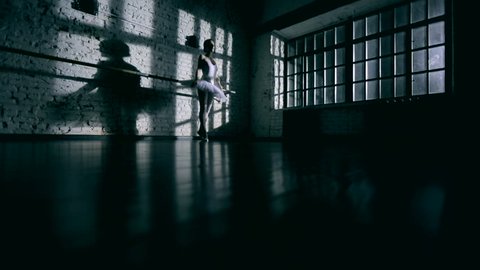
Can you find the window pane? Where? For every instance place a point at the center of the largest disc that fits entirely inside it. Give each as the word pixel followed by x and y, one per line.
pixel 319 78
pixel 319 40
pixel 319 96
pixel 418 11
pixel 359 51
pixel 279 85
pixel 310 43
pixel 436 8
pixel 278 67
pixel 401 16
pixel 340 56
pixel 436 33
pixel 386 45
pixel 386 20
pixel 372 69
pixel 329 76
pixel 358 91
pixel 290 67
pixel 329 37
pixel 329 95
pixel 319 61
pixel 400 64
pixel 300 46
pixel 359 28
pixel 291 83
pixel 310 62
pixel 329 58
pixel 372 90
pixel 310 97
pixel 298 98
pixel 339 34
pixel 436 82
pixel 298 65
pixel 419 60
pixel 386 66
pixel 372 24
pixel 298 81
pixel 278 102
pixel 419 37
pixel 359 71
pixel 339 75
pixel 291 48
pixel 291 99
pixel 400 87
pixel 400 42
pixel 436 58
pixel 340 94
pixel 372 48
pixel 386 88
pixel 419 84
pixel 310 80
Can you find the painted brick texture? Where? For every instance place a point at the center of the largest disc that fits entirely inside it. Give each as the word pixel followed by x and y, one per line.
pixel 41 96
pixel 267 120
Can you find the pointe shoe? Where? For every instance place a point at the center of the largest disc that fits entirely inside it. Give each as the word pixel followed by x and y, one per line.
pixel 203 135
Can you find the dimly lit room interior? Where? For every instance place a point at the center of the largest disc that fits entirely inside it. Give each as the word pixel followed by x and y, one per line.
pixel 343 140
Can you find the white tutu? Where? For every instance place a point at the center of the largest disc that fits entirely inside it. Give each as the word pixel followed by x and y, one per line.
pixel 207 86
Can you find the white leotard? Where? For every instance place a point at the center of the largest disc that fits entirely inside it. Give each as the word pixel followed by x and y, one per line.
pixel 209 71
pixel 207 82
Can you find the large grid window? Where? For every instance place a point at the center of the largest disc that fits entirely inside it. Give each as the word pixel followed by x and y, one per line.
pixel 316 68
pixel 395 52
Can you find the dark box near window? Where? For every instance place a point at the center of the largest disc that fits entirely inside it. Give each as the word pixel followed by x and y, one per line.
pixel 87 6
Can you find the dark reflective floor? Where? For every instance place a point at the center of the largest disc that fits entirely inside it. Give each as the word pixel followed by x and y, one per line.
pixel 177 204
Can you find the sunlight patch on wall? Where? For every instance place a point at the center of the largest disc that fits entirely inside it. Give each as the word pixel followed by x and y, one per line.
pixel 205 31
pixel 278 84
pixel 220 72
pixel 229 44
pixel 278 53
pixel 183 116
pixel 228 76
pixel 183 106
pixel 220 41
pixel 138 17
pixel 186 26
pixel 143 124
pixel 71 46
pixel 140 58
pixel 276 46
pixel 184 66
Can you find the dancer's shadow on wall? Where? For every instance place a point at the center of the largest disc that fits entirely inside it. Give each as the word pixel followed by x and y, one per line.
pixel 113 98
pixel 116 88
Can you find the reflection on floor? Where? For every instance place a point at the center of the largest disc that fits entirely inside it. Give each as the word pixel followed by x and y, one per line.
pixel 173 204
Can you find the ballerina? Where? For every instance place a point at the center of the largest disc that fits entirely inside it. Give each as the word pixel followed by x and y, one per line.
pixel 208 86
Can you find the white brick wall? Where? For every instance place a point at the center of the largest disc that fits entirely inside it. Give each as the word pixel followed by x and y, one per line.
pixel 155 32
pixel 266 120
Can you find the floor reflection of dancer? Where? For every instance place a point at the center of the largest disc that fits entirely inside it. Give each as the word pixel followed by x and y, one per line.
pixel 208 85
